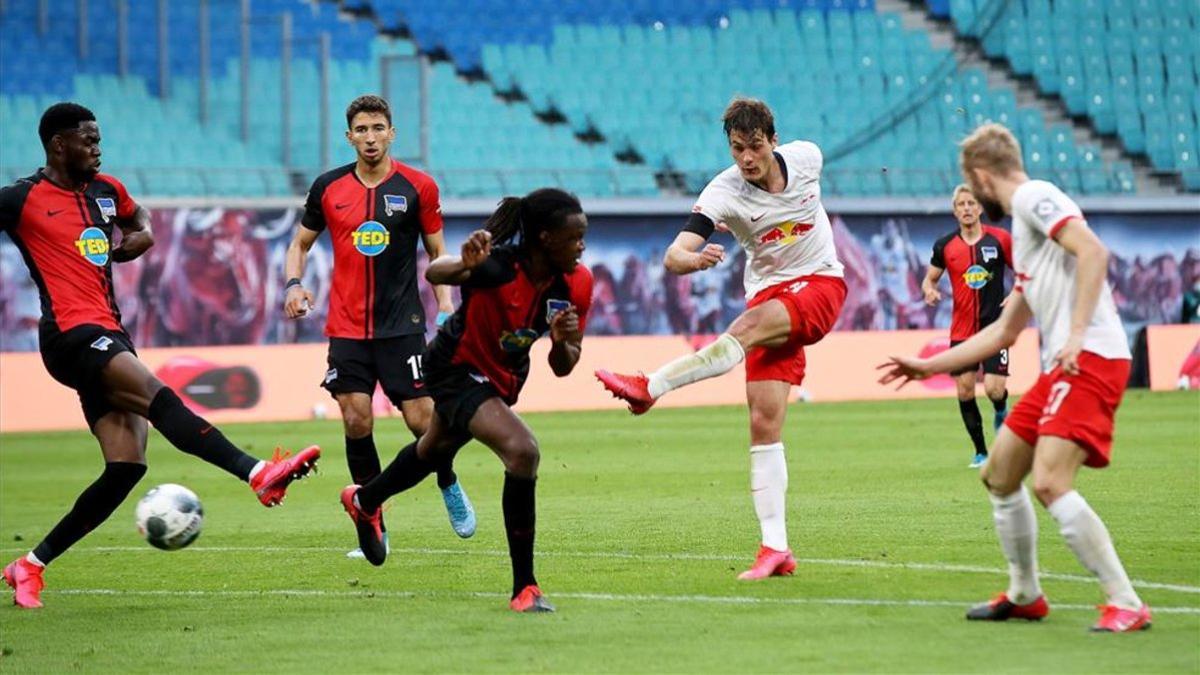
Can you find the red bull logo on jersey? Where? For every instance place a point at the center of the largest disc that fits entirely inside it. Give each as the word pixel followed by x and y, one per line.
pixel 518 341
pixel 976 277
pixel 785 233
pixel 92 244
pixel 371 238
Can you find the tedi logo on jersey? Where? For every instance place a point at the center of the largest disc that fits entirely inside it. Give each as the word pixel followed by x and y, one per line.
pixel 519 341
pixel 371 238
pixel 785 233
pixel 108 208
pixel 92 244
pixel 976 277
pixel 395 204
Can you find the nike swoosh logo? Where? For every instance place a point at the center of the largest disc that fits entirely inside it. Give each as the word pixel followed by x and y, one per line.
pixel 205 430
pixel 755 219
pixel 418 385
pixel 339 207
pixel 51 214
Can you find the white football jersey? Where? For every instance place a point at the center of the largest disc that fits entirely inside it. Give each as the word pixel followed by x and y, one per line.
pixel 1046 275
pixel 785 235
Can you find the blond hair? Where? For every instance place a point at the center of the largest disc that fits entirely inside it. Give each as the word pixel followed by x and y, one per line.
pixel 991 147
pixel 959 189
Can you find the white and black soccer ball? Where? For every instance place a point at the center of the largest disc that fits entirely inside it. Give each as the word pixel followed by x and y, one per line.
pixel 169 516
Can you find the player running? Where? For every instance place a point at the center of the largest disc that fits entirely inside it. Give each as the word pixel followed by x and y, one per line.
pixel 975 255
pixel 62 219
pixel 1066 420
pixel 771 201
pixel 375 209
pixel 521 279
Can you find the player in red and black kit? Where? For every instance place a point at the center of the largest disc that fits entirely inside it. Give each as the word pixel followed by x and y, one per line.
pixel 520 279
pixel 62 219
pixel 375 211
pixel 975 256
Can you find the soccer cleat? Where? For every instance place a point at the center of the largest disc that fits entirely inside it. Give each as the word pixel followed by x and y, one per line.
pixel 979 461
pixel 633 389
pixel 357 553
pixel 369 526
pixel 770 563
pixel 25 578
pixel 530 599
pixel 1000 608
pixel 271 482
pixel 1115 619
pixel 458 507
pixel 998 419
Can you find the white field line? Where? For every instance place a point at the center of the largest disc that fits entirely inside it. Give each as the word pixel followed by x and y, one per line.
pixel 831 562
pixel 603 597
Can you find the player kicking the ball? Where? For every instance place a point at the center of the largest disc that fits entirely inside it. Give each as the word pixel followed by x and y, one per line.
pixel 62 218
pixel 771 201
pixel 1066 420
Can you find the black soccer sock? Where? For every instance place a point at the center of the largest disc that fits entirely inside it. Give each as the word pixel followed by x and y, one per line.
pixel 94 506
pixel 1000 404
pixel 445 474
pixel 520 518
pixel 404 472
pixel 362 458
pixel 969 410
pixel 195 436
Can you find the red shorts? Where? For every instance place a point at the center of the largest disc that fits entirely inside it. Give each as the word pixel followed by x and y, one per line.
pixel 1079 408
pixel 814 303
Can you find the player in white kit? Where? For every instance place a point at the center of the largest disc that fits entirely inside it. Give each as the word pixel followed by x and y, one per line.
pixel 770 200
pixel 1066 420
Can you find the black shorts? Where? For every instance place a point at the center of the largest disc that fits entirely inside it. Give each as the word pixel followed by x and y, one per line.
pixel 996 364
pixel 457 392
pixel 356 365
pixel 76 357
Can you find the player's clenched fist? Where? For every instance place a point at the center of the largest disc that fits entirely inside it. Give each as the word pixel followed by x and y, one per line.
pixel 297 302
pixel 565 326
pixel 476 248
pixel 709 256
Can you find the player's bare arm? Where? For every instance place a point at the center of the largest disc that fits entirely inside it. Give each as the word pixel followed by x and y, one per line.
pixel 297 299
pixel 1000 334
pixel 435 247
pixel 929 285
pixel 566 341
pixel 136 236
pixel 454 270
pixel 690 253
pixel 1091 270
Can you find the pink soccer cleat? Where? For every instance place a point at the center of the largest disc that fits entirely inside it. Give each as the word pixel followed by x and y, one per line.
pixel 271 483
pixel 633 389
pixel 25 578
pixel 770 563
pixel 530 600
pixel 1115 619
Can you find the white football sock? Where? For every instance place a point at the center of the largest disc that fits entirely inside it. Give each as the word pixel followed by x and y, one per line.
pixel 716 359
pixel 257 467
pixel 1089 539
pixel 768 488
pixel 34 559
pixel 1016 526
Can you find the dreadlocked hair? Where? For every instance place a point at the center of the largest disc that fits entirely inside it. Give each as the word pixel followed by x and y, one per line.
pixel 522 219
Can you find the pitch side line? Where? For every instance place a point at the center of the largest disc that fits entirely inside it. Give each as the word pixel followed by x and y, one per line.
pixel 603 597
pixel 832 562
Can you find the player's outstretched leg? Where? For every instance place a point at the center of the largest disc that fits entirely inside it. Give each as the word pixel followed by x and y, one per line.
pixel 641 391
pixel 122 438
pixel 1055 465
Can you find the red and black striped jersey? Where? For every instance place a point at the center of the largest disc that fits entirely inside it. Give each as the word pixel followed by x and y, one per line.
pixel 374 233
pixel 976 277
pixel 502 314
pixel 65 237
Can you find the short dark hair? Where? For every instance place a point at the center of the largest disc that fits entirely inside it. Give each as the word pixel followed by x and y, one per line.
pixel 747 115
pixel 368 103
pixel 62 117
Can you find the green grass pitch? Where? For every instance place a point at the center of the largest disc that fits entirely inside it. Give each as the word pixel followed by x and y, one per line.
pixel 643 524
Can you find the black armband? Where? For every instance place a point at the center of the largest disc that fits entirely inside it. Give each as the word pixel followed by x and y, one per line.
pixel 700 224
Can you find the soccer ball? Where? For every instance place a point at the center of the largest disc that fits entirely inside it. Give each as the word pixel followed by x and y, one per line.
pixel 169 516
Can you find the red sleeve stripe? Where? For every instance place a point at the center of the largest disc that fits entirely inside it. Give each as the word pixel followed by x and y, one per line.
pixel 1054 229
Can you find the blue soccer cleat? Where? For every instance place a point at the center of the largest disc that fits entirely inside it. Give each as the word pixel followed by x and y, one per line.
pixel 998 420
pixel 458 507
pixel 979 461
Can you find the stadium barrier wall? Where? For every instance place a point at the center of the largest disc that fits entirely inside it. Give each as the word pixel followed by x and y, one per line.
pixel 282 382
pixel 1174 356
